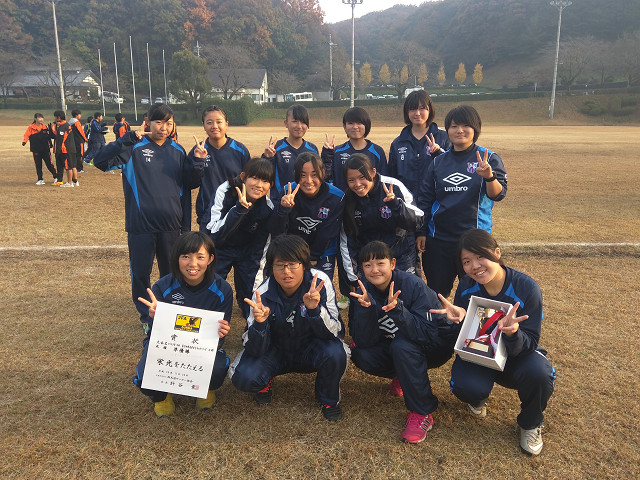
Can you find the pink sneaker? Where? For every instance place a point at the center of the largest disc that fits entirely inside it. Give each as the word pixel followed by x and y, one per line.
pixel 416 428
pixel 395 389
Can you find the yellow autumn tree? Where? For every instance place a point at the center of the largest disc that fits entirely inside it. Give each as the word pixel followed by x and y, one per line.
pixel 384 74
pixel 404 75
pixel 423 74
pixel 477 74
pixel 365 74
pixel 442 78
pixel 461 73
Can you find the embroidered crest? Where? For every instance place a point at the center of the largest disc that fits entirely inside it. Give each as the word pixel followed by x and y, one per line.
pixel 471 167
pixel 323 212
pixel 385 212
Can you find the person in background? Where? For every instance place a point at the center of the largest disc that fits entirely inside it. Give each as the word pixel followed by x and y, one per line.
pixel 39 138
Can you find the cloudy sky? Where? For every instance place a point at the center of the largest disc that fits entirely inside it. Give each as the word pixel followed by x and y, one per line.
pixel 336 11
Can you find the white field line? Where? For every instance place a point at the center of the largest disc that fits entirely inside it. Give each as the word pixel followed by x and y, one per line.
pixel 53 248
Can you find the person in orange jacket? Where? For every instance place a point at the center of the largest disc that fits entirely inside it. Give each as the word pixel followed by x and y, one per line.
pixel 39 139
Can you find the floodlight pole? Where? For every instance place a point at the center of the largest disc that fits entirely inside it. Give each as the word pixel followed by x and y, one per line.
pixel 353 4
pixel 164 71
pixel 55 29
pixel 331 45
pixel 104 111
pixel 133 80
pixel 560 4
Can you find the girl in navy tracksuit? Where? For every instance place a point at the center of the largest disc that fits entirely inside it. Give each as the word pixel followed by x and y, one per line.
pixel 527 368
pixel 241 225
pixel 458 191
pixel 419 142
pixel 312 209
pixel 155 172
pixel 293 326
pixel 394 335
pixel 376 208
pixel 225 159
pixel 357 125
pixel 191 283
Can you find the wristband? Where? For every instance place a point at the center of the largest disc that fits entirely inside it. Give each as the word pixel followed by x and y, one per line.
pixel 491 178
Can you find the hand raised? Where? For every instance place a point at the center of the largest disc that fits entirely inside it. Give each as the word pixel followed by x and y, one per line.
pixel 260 312
pixel 311 299
pixel 329 145
pixel 484 169
pixel 242 197
pixel 389 192
pixel 393 299
pixel 270 151
pixel 288 199
pixel 509 324
pixel 453 313
pixel 201 150
pixel 140 132
pixel 432 145
pixel 362 298
pixel 153 304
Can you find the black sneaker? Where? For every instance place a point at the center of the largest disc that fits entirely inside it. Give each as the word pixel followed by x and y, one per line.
pixel 332 413
pixel 263 397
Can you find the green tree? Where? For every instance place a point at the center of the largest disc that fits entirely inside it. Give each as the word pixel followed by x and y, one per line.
pixel 461 73
pixel 14 47
pixel 477 74
pixel 189 76
pixel 384 75
pixel 365 74
pixel 442 78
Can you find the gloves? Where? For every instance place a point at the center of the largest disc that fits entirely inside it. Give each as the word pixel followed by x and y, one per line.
pixel 24 143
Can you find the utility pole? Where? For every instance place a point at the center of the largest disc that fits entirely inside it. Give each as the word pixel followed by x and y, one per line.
pixel 560 4
pixel 353 4
pixel 63 103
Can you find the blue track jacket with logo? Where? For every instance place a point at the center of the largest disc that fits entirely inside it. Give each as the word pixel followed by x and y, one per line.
pixel 334 160
pixel 454 197
pixel 409 156
pixel 284 160
pixel 153 178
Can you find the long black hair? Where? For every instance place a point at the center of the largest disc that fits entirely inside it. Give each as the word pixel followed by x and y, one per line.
pixel 257 167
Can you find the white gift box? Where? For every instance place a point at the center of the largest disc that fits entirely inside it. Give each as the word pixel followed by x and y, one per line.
pixel 470 328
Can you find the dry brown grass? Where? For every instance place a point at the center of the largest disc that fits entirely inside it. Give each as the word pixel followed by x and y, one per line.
pixel 71 339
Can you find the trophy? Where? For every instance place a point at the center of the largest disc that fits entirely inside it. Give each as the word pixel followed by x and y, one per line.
pixel 485 339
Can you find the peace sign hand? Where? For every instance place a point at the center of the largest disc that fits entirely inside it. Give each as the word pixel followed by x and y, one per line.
pixel 362 298
pixel 140 132
pixel 484 169
pixel 389 192
pixel 432 145
pixel 153 304
pixel 288 200
pixel 329 145
pixel 509 324
pixel 260 312
pixel 393 299
pixel 453 313
pixel 270 151
pixel 200 151
pixel 311 299
pixel 242 197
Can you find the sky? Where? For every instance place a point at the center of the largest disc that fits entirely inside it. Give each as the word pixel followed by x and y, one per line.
pixel 336 11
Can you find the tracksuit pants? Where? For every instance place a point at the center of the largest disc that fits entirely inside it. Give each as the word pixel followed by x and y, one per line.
pixel 143 247
pixel 38 158
pixel 400 357
pixel 530 373
pixel 246 265
pixel 326 357
pixel 220 368
pixel 439 265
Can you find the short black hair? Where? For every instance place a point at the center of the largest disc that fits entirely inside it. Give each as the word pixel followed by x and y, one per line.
pixel 375 250
pixel 261 168
pixel 289 248
pixel 97 114
pixel 298 112
pixel 415 100
pixel 59 114
pixel 37 115
pixel 213 108
pixel 357 115
pixel 312 158
pixel 464 115
pixel 119 117
pixel 190 242
pixel 75 112
pixel 160 111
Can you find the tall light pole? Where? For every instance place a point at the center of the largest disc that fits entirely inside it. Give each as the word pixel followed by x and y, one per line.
pixel 353 4
pixel 63 104
pixel 331 45
pixel 560 4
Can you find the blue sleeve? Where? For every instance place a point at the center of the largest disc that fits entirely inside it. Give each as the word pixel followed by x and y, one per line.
pixel 412 317
pixel 329 231
pixel 392 164
pixel 192 171
pixel 224 227
pixel 327 162
pixel 426 196
pixel 528 334
pixel 363 324
pixel 115 154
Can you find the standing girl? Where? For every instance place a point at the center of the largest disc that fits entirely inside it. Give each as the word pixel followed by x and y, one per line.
pixel 457 193
pixel 241 225
pixel 527 368
pixel 39 139
pixel 225 159
pixel 312 209
pixel 376 208
pixel 192 283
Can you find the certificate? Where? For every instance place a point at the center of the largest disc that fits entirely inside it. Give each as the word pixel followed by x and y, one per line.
pixel 182 349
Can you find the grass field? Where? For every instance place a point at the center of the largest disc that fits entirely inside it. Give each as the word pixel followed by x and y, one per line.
pixel 71 338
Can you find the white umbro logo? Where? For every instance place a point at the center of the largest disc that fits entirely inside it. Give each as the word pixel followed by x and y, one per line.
pixel 148 154
pixel 457 178
pixel 177 296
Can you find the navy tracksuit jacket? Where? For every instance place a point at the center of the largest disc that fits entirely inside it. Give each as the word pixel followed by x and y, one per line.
pixel 335 159
pixel 283 163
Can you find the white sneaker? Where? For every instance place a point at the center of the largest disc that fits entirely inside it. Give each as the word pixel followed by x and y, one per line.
pixel 76 184
pixel 67 185
pixel 343 302
pixel 531 440
pixel 479 412
pixel 82 171
pixel 40 182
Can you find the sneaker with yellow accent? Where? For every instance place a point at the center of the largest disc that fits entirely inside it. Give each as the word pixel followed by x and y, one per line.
pixel 206 403
pixel 531 440
pixel 165 407
pixel 57 183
